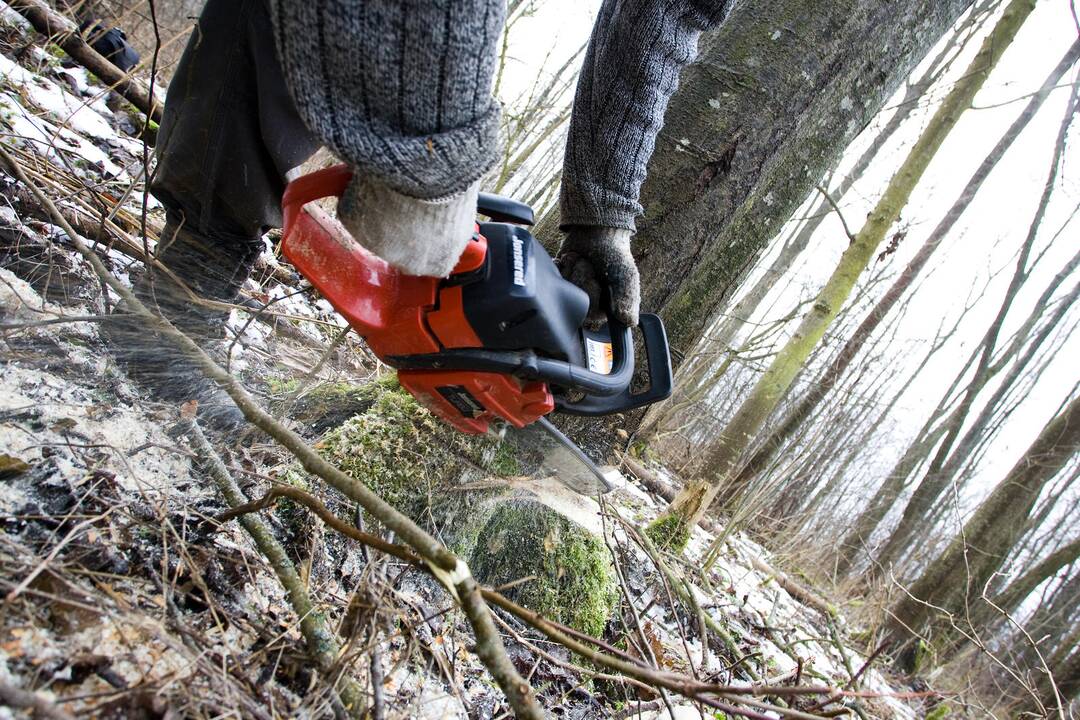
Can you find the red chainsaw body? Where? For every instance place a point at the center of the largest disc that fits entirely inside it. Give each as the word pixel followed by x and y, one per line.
pixel 401 315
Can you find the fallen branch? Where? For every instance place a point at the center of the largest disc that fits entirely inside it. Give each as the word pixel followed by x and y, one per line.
pixel 38 706
pixel 657 486
pixel 795 589
pixel 445 564
pixel 687 596
pixel 63 32
pixel 108 233
pixel 320 640
pixel 583 645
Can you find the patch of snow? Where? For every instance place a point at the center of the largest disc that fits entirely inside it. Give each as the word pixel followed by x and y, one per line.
pixel 10 17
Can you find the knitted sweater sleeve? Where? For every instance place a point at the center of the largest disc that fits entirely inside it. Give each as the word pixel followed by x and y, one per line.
pixel 400 89
pixel 630 71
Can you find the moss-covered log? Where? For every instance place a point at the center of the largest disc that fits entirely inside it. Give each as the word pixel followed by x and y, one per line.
pixel 469 492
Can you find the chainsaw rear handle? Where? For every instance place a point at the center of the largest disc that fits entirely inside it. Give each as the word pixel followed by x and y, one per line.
pixel 332 181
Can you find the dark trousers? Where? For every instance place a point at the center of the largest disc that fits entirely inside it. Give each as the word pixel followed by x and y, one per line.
pixel 230 131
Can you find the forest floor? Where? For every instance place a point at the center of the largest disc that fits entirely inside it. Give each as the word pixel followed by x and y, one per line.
pixel 124 598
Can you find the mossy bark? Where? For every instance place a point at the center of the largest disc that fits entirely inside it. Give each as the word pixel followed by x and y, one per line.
pixel 722 460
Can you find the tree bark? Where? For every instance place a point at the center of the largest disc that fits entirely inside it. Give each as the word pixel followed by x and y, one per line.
pixel 1014 593
pixel 1065 668
pixel 777 93
pixel 1050 624
pixel 721 461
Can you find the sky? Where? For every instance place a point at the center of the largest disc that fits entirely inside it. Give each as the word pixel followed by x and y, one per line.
pixel 978 256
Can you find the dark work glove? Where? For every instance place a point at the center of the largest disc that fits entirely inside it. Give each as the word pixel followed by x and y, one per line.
pixel 597 259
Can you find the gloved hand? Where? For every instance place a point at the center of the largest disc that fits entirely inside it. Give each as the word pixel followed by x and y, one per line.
pixel 419 237
pixel 597 258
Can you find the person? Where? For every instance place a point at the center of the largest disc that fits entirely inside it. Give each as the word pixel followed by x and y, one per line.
pixel 400 90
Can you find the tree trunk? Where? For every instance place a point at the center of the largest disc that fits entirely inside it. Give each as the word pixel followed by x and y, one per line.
pixel 777 93
pixel 1009 599
pixel 984 616
pixel 721 460
pixel 1065 668
pixel 1050 624
pixel 958 575
pixel 806 405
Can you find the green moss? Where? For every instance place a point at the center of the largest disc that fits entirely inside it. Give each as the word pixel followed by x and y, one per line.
pixel 281 386
pixel 923 655
pixel 324 406
pixel 407 455
pixel 388 448
pixel 449 483
pixel 938 712
pixel 296 520
pixel 573 581
pixel 669 532
pixel 56 55
pixel 504 461
pixel 641 449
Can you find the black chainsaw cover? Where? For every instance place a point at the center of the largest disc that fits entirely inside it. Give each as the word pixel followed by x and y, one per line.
pixel 525 303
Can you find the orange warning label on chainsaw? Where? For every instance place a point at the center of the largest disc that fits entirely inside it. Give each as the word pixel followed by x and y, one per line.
pixel 598 355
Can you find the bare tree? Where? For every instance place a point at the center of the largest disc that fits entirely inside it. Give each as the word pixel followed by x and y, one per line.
pixel 722 460
pixel 950 454
pixel 956 578
pixel 805 406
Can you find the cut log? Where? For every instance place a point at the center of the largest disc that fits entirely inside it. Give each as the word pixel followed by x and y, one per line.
pixel 63 32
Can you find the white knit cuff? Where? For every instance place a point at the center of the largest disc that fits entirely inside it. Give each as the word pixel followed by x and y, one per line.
pixel 419 237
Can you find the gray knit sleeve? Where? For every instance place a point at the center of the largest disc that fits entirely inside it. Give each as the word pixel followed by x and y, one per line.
pixel 631 69
pixel 400 89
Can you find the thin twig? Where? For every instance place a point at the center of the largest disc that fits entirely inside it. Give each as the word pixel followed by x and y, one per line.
pixel 320 640
pixel 836 209
pixel 25 700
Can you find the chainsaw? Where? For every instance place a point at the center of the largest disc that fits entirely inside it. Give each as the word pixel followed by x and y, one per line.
pixel 500 341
